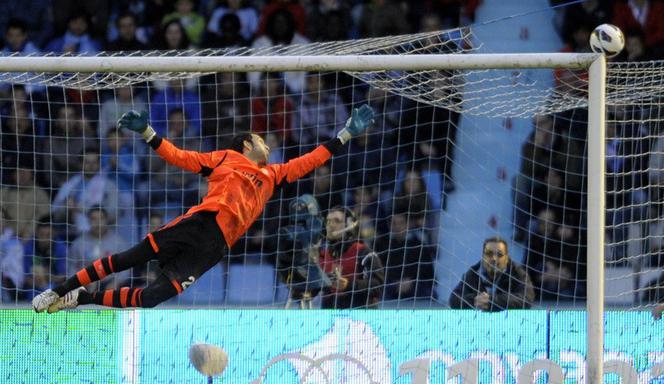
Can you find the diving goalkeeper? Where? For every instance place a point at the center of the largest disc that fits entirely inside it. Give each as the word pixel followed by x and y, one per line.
pixel 240 182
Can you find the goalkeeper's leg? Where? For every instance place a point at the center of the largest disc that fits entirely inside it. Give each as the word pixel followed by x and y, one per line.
pixel 99 269
pixel 160 290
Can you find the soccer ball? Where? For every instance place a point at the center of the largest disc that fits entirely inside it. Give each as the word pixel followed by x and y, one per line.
pixel 607 39
pixel 208 359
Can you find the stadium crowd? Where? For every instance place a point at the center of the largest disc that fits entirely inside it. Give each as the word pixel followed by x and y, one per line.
pixel 76 188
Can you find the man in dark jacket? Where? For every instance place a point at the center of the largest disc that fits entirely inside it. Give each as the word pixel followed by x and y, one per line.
pixel 495 283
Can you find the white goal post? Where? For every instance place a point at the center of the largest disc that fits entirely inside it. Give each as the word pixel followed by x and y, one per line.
pixel 594 63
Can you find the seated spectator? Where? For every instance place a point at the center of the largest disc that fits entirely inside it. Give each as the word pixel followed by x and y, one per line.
pixel 587 14
pixel 36 14
pixel 17 140
pixel 381 18
pixel 629 15
pixel 168 186
pixel 329 21
pixel 323 188
pixel 11 262
pixel 272 110
pixel 412 197
pixel 409 263
pixel 100 240
pixel 76 39
pixel 17 43
pixel 320 114
pixel 297 12
pixel 495 283
pixel 356 272
pixel 63 147
pixel 246 15
pixel 45 259
pixel 193 23
pixel 120 164
pixel 171 37
pixel 126 40
pixel 555 259
pixel 23 202
pixel 536 153
pixel 635 47
pixel 82 191
pixel 279 30
pixel 175 96
pixel 229 112
pixel 229 34
pixel 124 99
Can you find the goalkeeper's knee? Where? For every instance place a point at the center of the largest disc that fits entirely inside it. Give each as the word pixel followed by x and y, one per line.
pixel 158 293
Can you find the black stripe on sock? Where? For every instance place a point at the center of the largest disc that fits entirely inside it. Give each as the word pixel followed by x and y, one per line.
pixel 106 265
pixel 90 269
pixel 116 298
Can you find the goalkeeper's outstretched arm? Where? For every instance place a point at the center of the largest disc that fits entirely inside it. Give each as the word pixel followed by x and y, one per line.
pixel 192 161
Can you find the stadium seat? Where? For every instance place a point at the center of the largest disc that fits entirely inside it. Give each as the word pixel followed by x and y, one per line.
pixel 250 284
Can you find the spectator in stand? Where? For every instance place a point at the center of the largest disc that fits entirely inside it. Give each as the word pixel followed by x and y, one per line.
pixel 63 147
pixel 230 110
pixel 645 15
pixel 96 10
pixel 100 240
pixel 356 272
pixel 246 15
pixel 409 263
pixel 323 188
pixel 413 198
pixel 123 99
pixel 120 164
pixel 536 153
pixel 126 40
pixel 587 14
pixel 329 20
pixel 555 259
pixel 298 13
pixel 427 139
pixel 320 114
pixel 77 39
pixel 495 283
pixel 16 39
pixel 17 140
pixel 23 201
pixel 193 23
pixel 635 47
pixel 228 35
pixel 381 18
pixel 11 261
pixel 17 43
pixel 175 96
pixel 171 36
pixel 168 186
pixel 36 14
pixel 368 210
pixel 45 259
pixel 272 109
pixel 280 30
pixel 82 191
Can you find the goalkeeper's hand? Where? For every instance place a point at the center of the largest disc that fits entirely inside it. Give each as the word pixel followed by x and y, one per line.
pixel 360 120
pixel 137 122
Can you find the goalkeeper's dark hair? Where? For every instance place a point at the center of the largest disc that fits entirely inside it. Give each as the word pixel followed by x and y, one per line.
pixel 237 141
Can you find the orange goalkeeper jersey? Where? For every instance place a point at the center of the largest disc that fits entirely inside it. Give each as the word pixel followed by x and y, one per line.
pixel 238 189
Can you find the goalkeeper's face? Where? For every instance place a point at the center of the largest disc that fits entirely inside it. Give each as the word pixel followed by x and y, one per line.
pixel 257 151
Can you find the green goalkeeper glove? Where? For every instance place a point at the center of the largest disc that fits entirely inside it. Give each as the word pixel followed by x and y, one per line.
pixel 360 119
pixel 137 122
